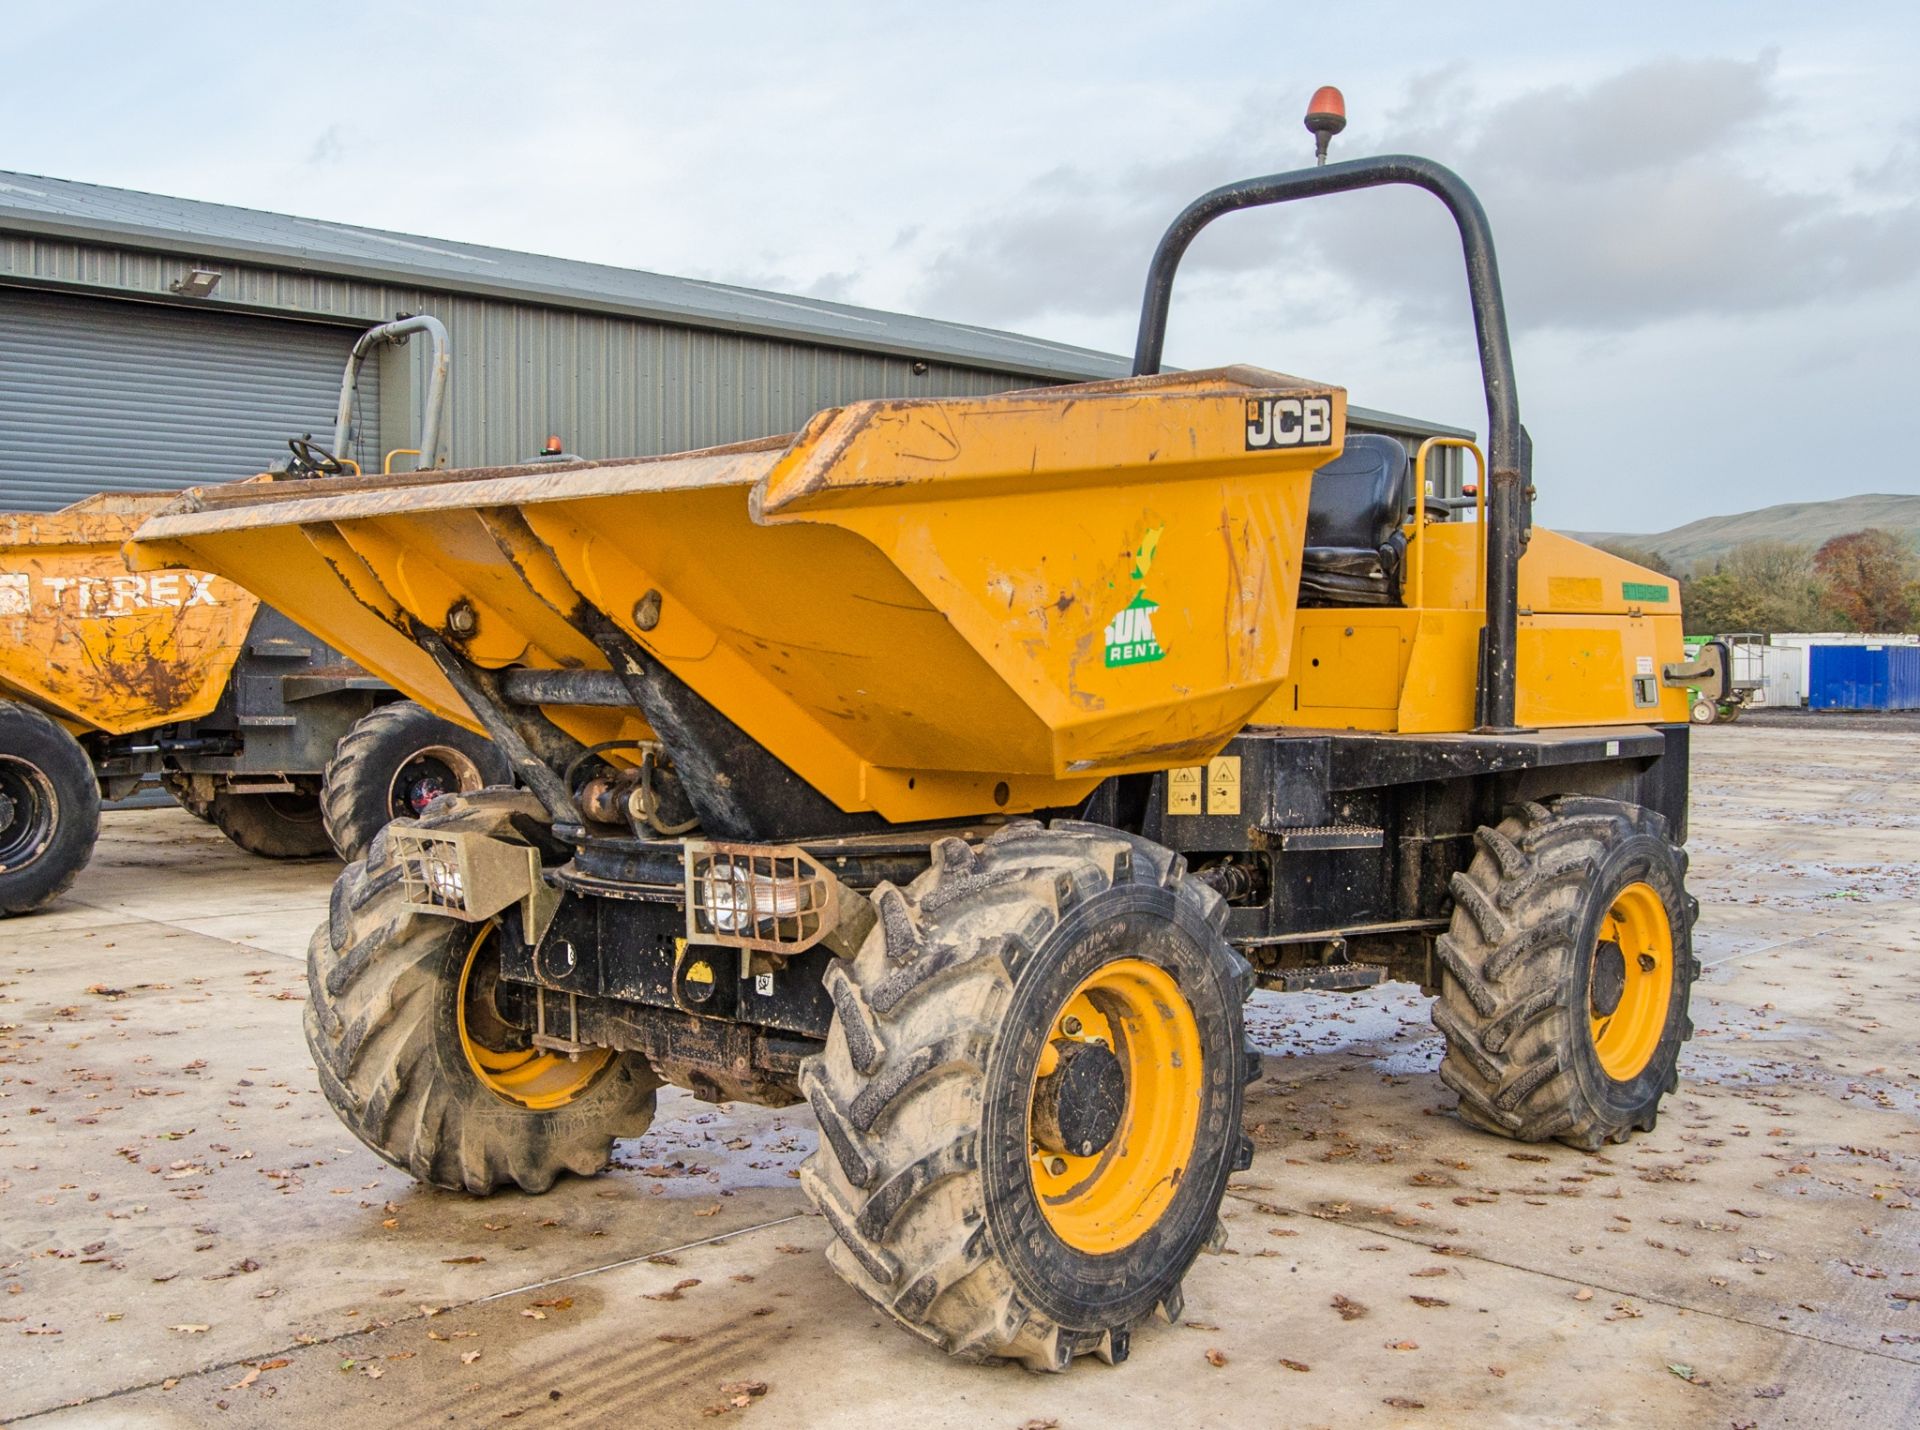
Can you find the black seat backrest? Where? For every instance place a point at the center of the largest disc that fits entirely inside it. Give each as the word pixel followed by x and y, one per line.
pixel 1358 499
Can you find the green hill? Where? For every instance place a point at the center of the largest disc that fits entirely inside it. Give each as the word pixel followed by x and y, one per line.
pixel 1798 523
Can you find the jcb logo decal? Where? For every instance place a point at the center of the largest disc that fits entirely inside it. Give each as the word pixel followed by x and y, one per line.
pixel 1289 422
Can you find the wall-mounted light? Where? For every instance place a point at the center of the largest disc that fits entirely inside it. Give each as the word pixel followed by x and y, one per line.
pixel 198 283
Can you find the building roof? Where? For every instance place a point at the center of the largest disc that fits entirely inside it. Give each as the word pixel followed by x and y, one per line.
pixel 126 218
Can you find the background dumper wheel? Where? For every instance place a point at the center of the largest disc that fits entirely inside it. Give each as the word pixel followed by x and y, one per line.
pixel 284 825
pixel 1566 973
pixel 394 763
pixel 1703 711
pixel 404 1028
pixel 49 809
pixel 1030 1098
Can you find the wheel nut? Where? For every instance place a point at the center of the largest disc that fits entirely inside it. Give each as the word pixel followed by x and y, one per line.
pixel 1646 963
pixel 1070 1025
pixel 1056 1166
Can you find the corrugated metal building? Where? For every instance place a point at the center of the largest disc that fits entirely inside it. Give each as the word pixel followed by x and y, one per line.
pixel 113 377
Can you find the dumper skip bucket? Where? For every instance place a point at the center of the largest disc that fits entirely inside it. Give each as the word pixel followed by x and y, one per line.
pixel 97 646
pixel 924 608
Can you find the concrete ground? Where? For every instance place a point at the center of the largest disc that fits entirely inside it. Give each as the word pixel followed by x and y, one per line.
pixel 188 1237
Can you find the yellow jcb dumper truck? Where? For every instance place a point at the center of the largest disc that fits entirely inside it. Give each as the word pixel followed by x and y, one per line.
pixel 959 767
pixel 108 677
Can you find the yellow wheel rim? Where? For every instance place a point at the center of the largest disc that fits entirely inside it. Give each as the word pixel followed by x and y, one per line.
pixel 1626 1036
pixel 535 1078
pixel 1107 1201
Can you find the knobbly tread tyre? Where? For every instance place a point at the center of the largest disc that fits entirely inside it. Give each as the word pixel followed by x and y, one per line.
pixel 271 826
pixel 1515 963
pixel 33 739
pixel 904 1087
pixel 380 1025
pixel 354 791
pixel 180 787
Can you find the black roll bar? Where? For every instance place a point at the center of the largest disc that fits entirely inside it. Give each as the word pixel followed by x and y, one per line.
pixel 1509 452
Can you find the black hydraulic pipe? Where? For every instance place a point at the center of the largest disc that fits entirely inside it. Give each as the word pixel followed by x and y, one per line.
pixel 1509 454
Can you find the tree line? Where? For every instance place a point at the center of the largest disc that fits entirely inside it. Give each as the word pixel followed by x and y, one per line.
pixel 1866 581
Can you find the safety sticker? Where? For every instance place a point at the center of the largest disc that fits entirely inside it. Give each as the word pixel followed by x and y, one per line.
pixel 1223 784
pixel 1183 790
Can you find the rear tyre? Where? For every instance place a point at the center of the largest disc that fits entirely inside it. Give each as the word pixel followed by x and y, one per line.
pixel 49 809
pixel 415 1052
pixel 1703 712
pixel 275 826
pixel 394 763
pixel 181 788
pixel 1030 1097
pixel 1566 973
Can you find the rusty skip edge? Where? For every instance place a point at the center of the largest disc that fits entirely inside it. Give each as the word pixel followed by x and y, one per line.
pixel 260 503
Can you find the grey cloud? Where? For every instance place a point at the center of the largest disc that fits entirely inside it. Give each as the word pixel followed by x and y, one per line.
pixel 1625 202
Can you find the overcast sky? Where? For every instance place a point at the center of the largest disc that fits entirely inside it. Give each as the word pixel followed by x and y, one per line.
pixel 1708 215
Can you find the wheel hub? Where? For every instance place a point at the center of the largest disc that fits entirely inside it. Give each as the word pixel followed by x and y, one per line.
pixel 1078 1106
pixel 1609 979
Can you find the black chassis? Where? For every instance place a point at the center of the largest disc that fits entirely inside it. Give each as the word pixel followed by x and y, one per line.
pixel 290 699
pixel 1336 873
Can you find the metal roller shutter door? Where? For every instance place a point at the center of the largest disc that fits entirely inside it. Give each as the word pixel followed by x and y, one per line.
pixel 98 395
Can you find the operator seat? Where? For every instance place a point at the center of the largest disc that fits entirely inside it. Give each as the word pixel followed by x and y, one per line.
pixel 1355 550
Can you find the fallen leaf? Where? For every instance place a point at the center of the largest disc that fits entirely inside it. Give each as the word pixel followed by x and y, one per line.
pixel 1770 1392
pixel 278 1363
pixel 1200 1325
pixel 1497 1370
pixel 1349 1310
pixel 1429 1301
pixel 557 1303
pixel 461 1260
pixel 191 1330
pixel 679 1289
pixel 1585 1293
pixel 1689 1375
pixel 469 1357
pixel 1429 1271
pixel 246 1380
pixel 1403 1345
pixel 1402 1402
pixel 532 1314
pixel 1298 1365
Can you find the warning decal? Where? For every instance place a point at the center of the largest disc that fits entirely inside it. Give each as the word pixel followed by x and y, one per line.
pixel 1183 790
pixel 1223 784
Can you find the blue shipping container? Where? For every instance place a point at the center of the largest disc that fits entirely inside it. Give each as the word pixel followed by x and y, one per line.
pixel 1863 677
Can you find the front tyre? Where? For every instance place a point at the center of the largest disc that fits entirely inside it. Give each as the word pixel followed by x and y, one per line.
pixel 49 809
pixel 1030 1098
pixel 419 1053
pixel 395 762
pixel 1566 973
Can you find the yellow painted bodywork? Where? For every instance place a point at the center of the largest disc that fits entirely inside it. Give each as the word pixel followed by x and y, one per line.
pixel 98 647
pixel 931 608
pixel 1584 636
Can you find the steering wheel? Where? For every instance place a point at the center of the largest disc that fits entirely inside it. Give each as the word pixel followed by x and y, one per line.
pixel 309 454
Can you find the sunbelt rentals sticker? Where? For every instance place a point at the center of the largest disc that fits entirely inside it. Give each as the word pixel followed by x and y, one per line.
pixel 1131 639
